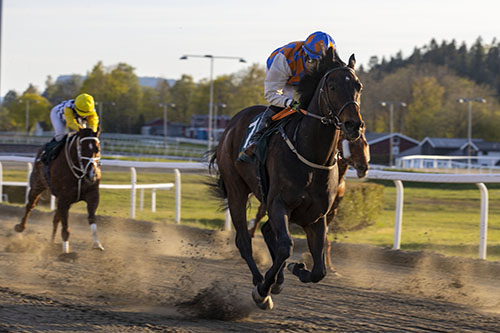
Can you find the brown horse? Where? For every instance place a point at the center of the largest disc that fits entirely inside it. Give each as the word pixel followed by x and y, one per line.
pixel 303 174
pixel 72 176
pixel 357 155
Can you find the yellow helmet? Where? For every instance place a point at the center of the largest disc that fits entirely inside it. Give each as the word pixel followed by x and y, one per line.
pixel 84 105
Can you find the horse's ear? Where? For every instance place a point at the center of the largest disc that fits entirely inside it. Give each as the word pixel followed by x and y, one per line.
pixel 98 132
pixel 352 61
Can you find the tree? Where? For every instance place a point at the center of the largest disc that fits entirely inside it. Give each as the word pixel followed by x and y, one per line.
pixel 38 110
pixel 423 111
pixel 182 95
pixel 62 90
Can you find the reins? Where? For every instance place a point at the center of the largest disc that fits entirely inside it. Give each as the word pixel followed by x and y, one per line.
pixel 333 118
pixel 79 169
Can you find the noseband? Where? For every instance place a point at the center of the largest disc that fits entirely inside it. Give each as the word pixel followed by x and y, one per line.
pixel 80 171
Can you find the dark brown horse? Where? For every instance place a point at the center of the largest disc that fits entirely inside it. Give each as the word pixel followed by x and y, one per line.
pixel 72 176
pixel 303 173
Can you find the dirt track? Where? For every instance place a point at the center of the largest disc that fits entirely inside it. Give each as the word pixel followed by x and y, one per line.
pixel 170 278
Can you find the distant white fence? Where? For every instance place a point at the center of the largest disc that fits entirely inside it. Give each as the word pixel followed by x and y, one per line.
pixel 133 186
pixel 481 163
pixel 397 177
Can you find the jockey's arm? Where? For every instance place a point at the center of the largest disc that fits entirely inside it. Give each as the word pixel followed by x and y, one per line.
pixel 93 121
pixel 275 82
pixel 71 122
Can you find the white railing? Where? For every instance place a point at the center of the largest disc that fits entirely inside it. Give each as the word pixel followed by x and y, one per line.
pixel 449 162
pixel 397 177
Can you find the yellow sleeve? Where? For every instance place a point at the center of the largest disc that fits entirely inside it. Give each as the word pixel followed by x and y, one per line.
pixel 93 121
pixel 71 122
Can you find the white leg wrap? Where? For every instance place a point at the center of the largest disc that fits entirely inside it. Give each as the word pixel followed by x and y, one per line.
pixel 65 247
pixel 93 230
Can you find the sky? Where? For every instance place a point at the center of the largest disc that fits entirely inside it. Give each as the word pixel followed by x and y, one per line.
pixel 61 37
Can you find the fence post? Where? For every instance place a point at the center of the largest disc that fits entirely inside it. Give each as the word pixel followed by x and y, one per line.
pixel 141 200
pixel 398 221
pixel 153 200
pixel 133 182
pixel 1 182
pixel 177 196
pixel 30 169
pixel 483 230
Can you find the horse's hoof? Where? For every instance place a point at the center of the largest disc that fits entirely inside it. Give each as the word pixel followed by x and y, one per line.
pixel 265 303
pixel 19 228
pixel 294 267
pixel 68 257
pixel 277 288
pixel 98 246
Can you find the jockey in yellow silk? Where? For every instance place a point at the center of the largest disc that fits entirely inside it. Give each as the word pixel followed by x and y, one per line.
pixel 74 114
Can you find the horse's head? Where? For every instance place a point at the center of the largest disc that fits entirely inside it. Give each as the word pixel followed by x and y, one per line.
pixel 90 154
pixel 356 153
pixel 339 93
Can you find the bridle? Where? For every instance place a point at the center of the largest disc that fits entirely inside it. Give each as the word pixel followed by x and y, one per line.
pixel 80 170
pixel 333 117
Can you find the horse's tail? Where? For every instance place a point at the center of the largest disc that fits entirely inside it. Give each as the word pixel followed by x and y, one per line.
pixel 216 184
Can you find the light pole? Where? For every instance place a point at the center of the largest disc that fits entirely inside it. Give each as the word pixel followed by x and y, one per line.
pixel 391 115
pixel 165 106
pixel 469 127
pixel 222 106
pixel 210 103
pixel 27 115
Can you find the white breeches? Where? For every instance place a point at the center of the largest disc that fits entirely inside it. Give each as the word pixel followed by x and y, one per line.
pixel 58 124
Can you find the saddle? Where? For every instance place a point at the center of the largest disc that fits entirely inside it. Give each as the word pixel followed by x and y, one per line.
pixel 52 149
pixel 280 120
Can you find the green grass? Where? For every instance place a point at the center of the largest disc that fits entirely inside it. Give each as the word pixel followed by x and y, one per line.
pixel 437 217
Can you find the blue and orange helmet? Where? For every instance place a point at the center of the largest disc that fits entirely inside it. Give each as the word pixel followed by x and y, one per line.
pixel 317 43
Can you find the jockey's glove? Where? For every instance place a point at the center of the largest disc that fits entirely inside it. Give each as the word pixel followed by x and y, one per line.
pixel 295 105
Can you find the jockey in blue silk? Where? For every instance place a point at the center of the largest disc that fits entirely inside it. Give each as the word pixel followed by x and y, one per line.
pixel 285 68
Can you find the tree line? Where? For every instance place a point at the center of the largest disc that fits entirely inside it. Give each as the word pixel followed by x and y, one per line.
pixel 429 81
pixel 125 106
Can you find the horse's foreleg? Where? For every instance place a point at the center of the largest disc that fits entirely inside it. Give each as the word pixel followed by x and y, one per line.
pixel 63 210
pixel 282 251
pixel 55 223
pixel 316 238
pixel 92 204
pixel 260 215
pixel 270 239
pixel 33 196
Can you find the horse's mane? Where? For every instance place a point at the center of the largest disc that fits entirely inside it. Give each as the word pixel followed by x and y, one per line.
pixel 309 82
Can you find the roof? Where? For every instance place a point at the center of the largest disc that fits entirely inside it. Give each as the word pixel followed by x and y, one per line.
pixel 488 146
pixel 449 143
pixel 374 137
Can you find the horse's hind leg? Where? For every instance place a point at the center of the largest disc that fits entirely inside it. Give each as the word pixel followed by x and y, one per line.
pixel 92 204
pixel 260 215
pixel 33 197
pixel 316 238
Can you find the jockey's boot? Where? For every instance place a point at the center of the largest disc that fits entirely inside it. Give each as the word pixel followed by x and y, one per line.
pixel 259 131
